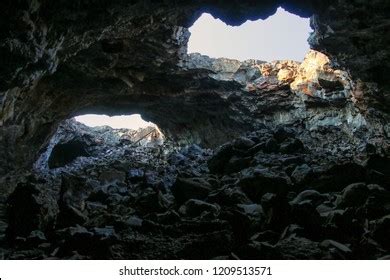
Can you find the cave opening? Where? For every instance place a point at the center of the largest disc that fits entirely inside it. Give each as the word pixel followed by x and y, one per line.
pixel 134 121
pixel 281 36
pixel 291 157
pixel 80 141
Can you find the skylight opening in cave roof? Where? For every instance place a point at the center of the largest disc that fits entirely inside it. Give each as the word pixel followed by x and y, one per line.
pixel 279 37
pixel 133 122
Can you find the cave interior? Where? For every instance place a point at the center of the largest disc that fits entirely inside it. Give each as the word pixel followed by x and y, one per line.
pixel 244 159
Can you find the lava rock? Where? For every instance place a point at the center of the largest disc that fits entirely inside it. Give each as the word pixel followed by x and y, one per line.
pixel 338 250
pixel 153 201
pixel 195 207
pixel 378 202
pixel 136 175
pixel 312 196
pixel 70 216
pixel 381 232
pixel 134 221
pixel 301 173
pixel 277 211
pixel 187 188
pixel 112 176
pixel 306 215
pixel 354 195
pixel 257 181
pixel 220 158
pixel 106 233
pixel 337 176
pixel 258 251
pixel 30 207
pixel 236 164
pixel 243 143
pixel 228 196
pixel 283 133
pixel 36 237
pixel 298 248
pixel 74 191
pixel 253 210
pixel 292 147
pixel 167 218
pixel 65 153
pixel 271 146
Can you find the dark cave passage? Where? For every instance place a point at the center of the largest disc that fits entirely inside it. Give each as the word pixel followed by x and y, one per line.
pixel 63 154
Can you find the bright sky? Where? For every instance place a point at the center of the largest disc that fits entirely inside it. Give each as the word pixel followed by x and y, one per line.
pixel 130 121
pixel 281 36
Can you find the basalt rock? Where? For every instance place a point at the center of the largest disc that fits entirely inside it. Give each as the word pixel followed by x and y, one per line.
pixel 261 210
pixel 59 60
pixel 256 159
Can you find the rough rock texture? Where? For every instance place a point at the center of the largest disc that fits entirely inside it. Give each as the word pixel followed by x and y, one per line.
pixel 275 193
pixel 308 178
pixel 73 140
pixel 68 57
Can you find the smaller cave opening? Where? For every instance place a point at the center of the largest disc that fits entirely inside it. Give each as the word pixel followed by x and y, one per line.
pixel 293 157
pixel 282 36
pixel 85 139
pixel 134 121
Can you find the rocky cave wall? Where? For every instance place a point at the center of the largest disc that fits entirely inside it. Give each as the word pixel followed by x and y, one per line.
pixel 64 58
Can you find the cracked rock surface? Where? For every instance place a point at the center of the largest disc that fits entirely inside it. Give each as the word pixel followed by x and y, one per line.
pixel 272 193
pixel 273 160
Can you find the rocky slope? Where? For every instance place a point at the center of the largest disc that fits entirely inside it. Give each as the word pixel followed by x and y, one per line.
pixel 72 57
pixel 274 193
pixel 307 179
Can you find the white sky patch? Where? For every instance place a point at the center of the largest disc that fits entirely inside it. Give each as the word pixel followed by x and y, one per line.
pixel 281 36
pixel 130 121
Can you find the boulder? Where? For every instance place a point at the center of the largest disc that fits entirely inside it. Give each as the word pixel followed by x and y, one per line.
pixel 381 231
pixel 257 181
pixel 187 188
pixel 112 176
pixel 301 173
pixel 195 207
pixel 312 196
pixel 354 195
pixel 30 207
pixel 220 158
pixel 339 250
pixel 135 175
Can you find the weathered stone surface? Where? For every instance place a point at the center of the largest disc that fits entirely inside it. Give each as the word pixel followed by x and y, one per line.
pixel 30 208
pixel 69 60
pixel 258 181
pixel 315 77
pixel 176 208
pixel 282 190
pixel 185 189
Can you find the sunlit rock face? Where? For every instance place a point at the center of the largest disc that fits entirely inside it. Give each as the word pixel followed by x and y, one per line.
pixel 316 77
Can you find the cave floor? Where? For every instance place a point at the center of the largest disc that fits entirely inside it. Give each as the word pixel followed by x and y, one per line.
pixel 268 195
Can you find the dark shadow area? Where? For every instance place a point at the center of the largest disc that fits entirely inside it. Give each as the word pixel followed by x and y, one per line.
pixel 63 154
pixel 261 160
